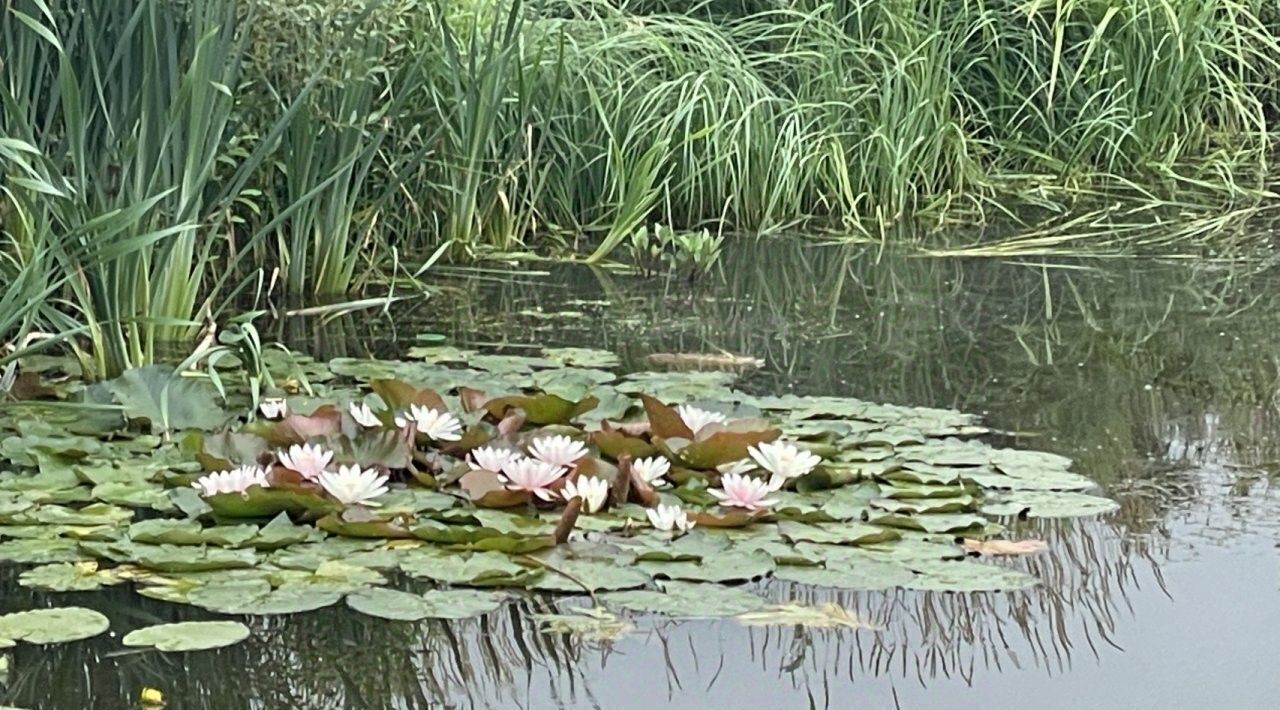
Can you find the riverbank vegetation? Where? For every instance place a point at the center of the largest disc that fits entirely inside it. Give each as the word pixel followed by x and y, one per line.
pixel 163 160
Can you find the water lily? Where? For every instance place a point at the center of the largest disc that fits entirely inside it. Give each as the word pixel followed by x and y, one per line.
pixel 783 460
pixel 490 458
pixel 739 491
pixel 437 425
pixel 237 480
pixel 273 408
pixel 309 460
pixel 668 518
pixel 526 474
pixel 364 414
pixel 557 450
pixel 593 492
pixel 353 485
pixel 651 470
pixel 696 418
pixel 739 467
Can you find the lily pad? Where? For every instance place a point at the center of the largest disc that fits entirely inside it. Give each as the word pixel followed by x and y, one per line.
pixel 57 625
pixel 685 600
pixel 1049 504
pixel 168 401
pixel 942 576
pixel 64 577
pixel 732 566
pixel 436 604
pixel 822 616
pixel 188 636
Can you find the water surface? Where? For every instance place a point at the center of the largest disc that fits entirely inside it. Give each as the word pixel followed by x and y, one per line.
pixel 1160 380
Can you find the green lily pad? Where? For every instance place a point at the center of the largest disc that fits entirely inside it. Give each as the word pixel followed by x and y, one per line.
pixel 64 577
pixel 732 566
pixel 477 569
pixel 685 600
pixel 593 624
pixel 939 576
pixel 846 533
pixel 1049 504
pixel 436 604
pixel 188 636
pixel 57 625
pixel 168 401
pixel 855 574
pixel 40 551
pixel 580 575
pixel 821 616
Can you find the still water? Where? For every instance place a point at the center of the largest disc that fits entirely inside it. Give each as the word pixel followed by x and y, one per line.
pixel 1160 380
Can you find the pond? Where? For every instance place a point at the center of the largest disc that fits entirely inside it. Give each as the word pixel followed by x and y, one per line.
pixel 1159 380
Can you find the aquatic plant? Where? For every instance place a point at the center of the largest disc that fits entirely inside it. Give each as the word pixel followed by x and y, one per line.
pixel 891 490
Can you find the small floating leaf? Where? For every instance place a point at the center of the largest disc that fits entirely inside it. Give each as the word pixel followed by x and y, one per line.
pixel 823 616
pixel 188 636
pixel 437 604
pixel 593 624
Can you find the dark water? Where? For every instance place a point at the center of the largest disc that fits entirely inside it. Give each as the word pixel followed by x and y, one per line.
pixel 1159 379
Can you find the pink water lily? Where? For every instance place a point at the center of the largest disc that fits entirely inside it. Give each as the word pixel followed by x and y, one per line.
pixel 237 480
pixel 557 450
pixel 783 460
pixel 309 460
pixel 490 458
pixel 532 475
pixel 739 491
pixel 435 424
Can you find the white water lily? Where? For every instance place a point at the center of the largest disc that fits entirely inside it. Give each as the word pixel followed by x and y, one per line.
pixel 525 474
pixel 364 414
pixel 738 491
pixel 668 518
pixel 651 470
pixel 557 450
pixel 309 460
pixel 490 458
pixel 352 485
pixel 437 425
pixel 273 408
pixel 740 467
pixel 783 460
pixel 593 492
pixel 696 418
pixel 237 480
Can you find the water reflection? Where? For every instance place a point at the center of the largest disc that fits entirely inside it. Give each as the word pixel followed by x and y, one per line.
pixel 1161 380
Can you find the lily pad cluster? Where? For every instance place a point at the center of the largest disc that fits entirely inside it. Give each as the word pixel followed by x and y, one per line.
pixel 483 476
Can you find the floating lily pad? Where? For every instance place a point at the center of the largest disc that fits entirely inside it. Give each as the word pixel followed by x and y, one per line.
pixel 857 574
pixel 685 600
pixel 837 533
pixel 1048 504
pixel 57 625
pixel 188 636
pixel 64 577
pixel 436 604
pixel 820 616
pixel 733 566
pixel 478 569
pixel 158 395
pixel 594 624
pixel 967 577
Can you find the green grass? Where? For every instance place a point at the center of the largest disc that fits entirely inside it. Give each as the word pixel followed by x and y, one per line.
pixel 163 158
